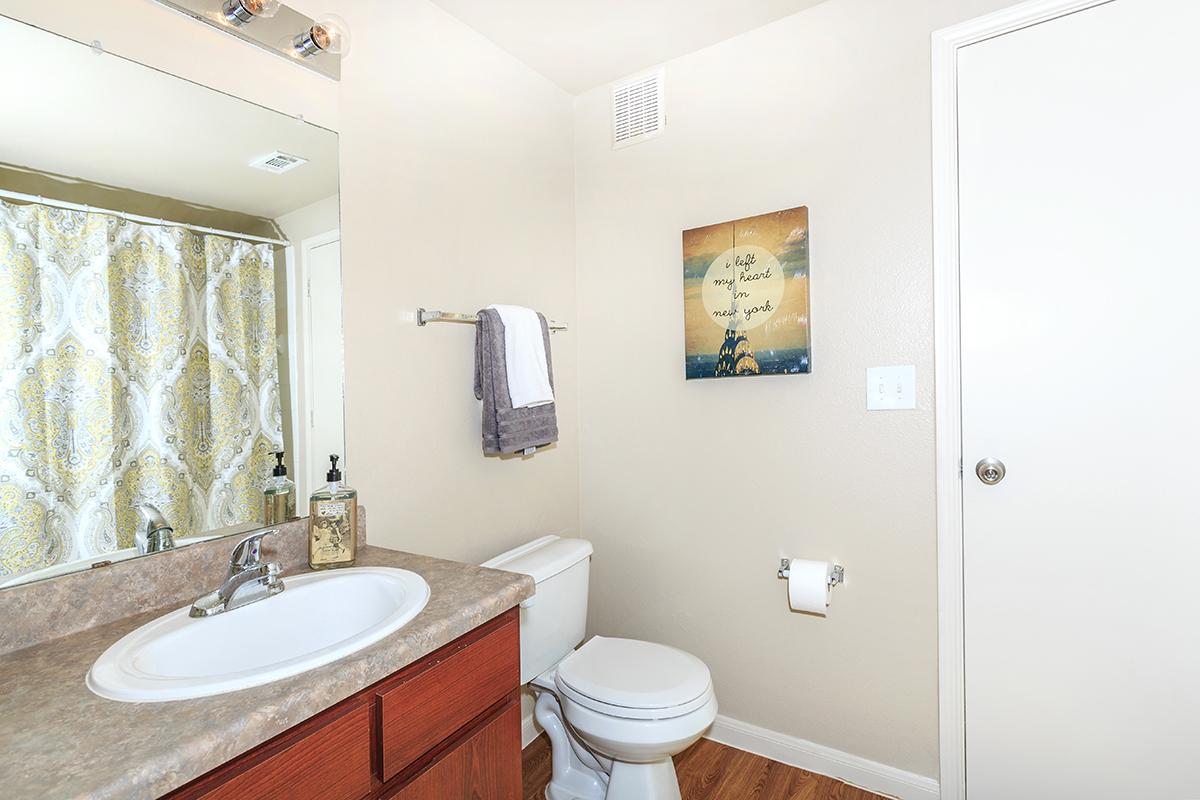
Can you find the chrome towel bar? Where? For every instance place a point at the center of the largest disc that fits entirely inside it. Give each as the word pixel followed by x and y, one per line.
pixel 425 316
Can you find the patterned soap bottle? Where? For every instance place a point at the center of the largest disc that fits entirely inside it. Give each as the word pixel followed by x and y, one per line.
pixel 333 522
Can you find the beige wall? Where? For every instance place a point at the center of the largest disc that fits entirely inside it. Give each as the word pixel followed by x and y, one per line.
pixel 313 219
pixel 691 491
pixel 457 191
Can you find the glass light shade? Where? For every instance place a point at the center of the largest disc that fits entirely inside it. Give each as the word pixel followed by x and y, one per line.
pixel 262 8
pixel 242 12
pixel 331 34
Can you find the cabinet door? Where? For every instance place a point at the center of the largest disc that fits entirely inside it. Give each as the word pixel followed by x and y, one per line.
pixel 487 766
pixel 332 763
pixel 424 710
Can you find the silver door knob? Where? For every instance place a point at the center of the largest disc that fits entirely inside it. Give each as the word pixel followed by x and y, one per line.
pixel 990 470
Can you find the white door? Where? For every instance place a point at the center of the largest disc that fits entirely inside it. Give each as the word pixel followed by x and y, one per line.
pixel 326 390
pixel 1079 148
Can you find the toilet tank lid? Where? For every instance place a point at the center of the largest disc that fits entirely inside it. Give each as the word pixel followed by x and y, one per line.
pixel 543 558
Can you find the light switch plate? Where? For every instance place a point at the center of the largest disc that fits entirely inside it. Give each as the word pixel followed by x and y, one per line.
pixel 891 388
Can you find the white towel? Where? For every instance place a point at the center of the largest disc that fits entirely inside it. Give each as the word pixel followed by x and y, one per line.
pixel 525 357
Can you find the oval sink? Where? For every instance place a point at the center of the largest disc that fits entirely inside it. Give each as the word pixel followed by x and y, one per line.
pixel 319 617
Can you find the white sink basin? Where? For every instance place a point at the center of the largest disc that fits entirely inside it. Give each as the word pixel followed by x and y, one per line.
pixel 318 618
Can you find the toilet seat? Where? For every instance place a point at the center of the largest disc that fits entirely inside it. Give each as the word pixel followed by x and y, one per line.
pixel 631 679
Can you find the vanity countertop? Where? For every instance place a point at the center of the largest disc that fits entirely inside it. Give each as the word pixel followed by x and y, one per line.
pixel 58 740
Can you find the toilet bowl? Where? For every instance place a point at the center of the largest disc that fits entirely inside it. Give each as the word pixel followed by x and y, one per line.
pixel 615 710
pixel 636 704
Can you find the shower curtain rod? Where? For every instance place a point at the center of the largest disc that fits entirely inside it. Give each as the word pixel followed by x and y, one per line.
pixel 33 198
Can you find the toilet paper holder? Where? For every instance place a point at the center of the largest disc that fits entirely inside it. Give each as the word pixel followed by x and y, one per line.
pixel 838 575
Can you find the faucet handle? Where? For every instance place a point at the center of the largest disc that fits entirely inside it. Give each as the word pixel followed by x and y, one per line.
pixel 248 552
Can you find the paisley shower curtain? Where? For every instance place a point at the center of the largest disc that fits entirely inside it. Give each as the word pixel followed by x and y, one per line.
pixel 137 365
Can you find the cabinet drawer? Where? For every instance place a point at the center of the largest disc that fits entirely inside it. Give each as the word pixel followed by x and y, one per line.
pixel 425 709
pixel 487 765
pixel 333 763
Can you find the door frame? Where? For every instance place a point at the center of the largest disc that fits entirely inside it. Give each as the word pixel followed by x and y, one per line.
pixel 947 361
pixel 306 466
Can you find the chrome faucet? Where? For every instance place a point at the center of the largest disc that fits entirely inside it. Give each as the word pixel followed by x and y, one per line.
pixel 249 579
pixel 157 536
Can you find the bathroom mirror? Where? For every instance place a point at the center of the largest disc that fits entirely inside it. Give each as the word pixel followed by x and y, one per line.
pixel 170 308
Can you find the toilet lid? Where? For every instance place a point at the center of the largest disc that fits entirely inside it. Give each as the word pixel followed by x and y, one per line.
pixel 634 675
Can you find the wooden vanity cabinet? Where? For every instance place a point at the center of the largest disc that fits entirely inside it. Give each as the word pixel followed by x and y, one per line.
pixel 477 767
pixel 447 727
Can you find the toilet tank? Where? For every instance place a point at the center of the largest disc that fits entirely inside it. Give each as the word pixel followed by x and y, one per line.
pixel 553 620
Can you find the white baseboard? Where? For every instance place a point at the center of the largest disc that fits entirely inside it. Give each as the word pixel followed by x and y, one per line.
pixel 855 770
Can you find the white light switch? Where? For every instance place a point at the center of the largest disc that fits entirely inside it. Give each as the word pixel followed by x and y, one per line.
pixel 890 388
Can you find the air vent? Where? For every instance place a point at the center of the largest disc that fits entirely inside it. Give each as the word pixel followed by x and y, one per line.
pixel 638 109
pixel 278 162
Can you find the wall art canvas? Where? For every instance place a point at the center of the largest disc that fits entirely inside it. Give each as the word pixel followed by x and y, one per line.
pixel 745 296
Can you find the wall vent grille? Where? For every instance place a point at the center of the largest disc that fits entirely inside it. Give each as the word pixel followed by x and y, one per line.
pixel 278 162
pixel 638 112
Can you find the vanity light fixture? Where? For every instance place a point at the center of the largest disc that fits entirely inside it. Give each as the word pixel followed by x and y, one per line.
pixel 239 12
pixel 328 34
pixel 317 44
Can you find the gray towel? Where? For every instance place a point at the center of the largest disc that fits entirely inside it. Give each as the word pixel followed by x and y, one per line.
pixel 507 429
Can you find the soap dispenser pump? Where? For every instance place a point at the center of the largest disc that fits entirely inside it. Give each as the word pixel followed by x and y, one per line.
pixel 333 522
pixel 279 496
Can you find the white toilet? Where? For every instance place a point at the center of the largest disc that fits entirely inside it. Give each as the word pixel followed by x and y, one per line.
pixel 616 710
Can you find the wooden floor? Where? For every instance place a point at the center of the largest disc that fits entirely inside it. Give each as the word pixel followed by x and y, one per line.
pixel 711 771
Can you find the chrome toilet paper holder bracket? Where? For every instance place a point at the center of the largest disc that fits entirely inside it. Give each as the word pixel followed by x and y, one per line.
pixel 838 575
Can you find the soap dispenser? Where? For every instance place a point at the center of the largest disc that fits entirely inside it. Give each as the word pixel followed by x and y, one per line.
pixel 333 522
pixel 279 497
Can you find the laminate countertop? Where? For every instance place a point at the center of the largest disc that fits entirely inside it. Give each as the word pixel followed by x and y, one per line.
pixel 58 740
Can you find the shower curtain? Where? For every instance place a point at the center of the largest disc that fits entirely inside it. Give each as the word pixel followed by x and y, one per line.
pixel 137 365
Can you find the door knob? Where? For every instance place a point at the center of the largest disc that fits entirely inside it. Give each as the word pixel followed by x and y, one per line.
pixel 990 470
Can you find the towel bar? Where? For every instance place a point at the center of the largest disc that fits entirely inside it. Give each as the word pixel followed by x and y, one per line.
pixel 424 316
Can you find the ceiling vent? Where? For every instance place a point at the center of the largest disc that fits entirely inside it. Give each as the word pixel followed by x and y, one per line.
pixel 638 109
pixel 278 162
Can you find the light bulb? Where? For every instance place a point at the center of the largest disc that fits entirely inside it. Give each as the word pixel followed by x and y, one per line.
pixel 239 12
pixel 329 34
pixel 262 8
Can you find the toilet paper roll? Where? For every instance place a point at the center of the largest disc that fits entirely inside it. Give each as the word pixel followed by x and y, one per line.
pixel 808 585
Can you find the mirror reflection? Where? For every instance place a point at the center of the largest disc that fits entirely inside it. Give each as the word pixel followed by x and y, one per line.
pixel 170 310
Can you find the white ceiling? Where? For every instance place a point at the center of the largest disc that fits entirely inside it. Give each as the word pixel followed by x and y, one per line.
pixel 68 111
pixel 581 44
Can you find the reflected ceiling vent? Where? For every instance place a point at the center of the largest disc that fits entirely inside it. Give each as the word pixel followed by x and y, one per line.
pixel 278 162
pixel 638 109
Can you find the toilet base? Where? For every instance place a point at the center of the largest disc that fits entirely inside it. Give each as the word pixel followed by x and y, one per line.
pixel 639 781
pixel 655 780
pixel 576 774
